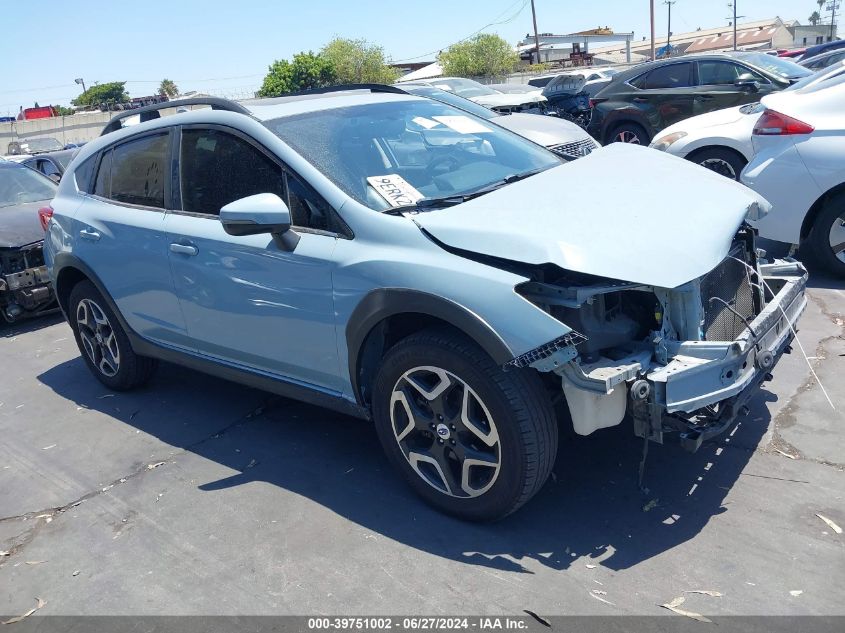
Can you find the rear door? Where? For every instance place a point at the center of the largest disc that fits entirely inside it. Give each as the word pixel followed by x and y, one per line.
pixel 716 89
pixel 665 94
pixel 247 300
pixel 119 233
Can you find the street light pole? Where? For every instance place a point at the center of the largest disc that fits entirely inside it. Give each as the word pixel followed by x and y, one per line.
pixel 669 3
pixel 536 36
pixel 651 6
pixel 78 81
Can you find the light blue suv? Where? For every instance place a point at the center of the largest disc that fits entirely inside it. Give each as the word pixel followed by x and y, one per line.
pixel 400 260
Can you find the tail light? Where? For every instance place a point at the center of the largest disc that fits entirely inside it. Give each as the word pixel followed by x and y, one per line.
pixel 595 102
pixel 772 123
pixel 44 215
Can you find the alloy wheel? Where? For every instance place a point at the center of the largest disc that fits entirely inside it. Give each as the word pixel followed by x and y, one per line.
pixel 626 136
pixel 837 238
pixel 98 337
pixel 720 166
pixel 445 431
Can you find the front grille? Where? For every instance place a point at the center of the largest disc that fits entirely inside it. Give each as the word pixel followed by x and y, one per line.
pixel 728 297
pixel 15 261
pixel 578 149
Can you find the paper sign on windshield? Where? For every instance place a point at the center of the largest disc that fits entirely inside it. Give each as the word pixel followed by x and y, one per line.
pixel 462 124
pixel 395 190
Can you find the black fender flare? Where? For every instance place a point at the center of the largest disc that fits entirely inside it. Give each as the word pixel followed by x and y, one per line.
pixel 383 303
pixel 62 261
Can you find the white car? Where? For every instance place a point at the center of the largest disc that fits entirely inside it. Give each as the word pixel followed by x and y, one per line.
pixel 562 137
pixel 719 140
pixel 505 103
pixel 799 166
pixel 591 76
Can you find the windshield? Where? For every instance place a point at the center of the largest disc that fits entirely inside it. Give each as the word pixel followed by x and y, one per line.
pixel 463 87
pixel 38 145
pixel 452 99
pixel 434 149
pixel 776 65
pixel 19 185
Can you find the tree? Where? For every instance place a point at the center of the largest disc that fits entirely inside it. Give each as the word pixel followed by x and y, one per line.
pixel 108 94
pixel 305 72
pixel 167 88
pixel 485 55
pixel 358 61
pixel 63 111
pixel 815 18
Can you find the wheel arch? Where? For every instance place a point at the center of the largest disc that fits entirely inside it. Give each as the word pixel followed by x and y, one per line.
pixel 386 316
pixel 69 270
pixel 816 208
pixel 714 146
pixel 627 117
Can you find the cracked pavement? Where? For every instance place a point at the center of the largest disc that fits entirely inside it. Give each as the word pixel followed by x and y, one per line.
pixel 199 496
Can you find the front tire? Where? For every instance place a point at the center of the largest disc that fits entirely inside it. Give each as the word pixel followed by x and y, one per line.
pixel 827 236
pixel 724 162
pixel 103 343
pixel 473 440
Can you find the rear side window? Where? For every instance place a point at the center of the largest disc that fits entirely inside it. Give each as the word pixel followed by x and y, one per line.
pixel 665 77
pixel 217 168
pixel 139 170
pixel 84 175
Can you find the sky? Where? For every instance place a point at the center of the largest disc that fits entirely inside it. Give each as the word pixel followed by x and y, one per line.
pixel 224 47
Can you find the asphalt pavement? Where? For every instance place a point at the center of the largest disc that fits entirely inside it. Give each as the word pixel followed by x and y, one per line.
pixel 199 496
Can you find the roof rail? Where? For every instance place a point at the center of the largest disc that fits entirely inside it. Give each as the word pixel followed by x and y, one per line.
pixel 151 111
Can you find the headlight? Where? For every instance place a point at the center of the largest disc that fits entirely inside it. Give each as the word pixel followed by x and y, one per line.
pixel 664 142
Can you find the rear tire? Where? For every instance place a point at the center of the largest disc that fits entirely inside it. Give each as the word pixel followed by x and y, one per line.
pixel 473 440
pixel 724 162
pixel 826 240
pixel 632 133
pixel 103 343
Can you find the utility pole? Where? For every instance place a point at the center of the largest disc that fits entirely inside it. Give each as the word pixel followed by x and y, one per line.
pixel 832 6
pixel 734 19
pixel 78 81
pixel 733 4
pixel 536 36
pixel 651 5
pixel 669 3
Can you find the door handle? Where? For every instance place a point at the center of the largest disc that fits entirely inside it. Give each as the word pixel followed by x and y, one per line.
pixel 703 97
pixel 640 100
pixel 184 249
pixel 87 234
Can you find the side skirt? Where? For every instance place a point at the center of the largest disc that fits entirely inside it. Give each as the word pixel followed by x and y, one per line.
pixel 265 382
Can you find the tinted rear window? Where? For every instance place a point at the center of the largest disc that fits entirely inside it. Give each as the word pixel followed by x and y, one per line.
pixel 664 77
pixel 139 170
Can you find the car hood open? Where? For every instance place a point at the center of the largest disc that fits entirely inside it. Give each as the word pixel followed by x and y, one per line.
pixel 623 212
pixel 20 226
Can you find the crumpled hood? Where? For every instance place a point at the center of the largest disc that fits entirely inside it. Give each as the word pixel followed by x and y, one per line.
pixel 19 224
pixel 624 212
pixel 501 99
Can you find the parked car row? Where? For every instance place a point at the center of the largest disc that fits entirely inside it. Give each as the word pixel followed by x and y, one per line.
pixel 789 147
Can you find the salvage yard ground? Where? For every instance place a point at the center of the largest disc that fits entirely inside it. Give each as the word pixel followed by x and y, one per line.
pixel 199 496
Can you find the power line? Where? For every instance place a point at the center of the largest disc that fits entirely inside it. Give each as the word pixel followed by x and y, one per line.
pixel 494 23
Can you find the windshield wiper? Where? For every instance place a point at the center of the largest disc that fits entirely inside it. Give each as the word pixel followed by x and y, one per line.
pixel 450 201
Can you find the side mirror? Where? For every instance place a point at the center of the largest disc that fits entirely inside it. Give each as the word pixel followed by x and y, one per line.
pixel 261 213
pixel 746 81
pixel 55 178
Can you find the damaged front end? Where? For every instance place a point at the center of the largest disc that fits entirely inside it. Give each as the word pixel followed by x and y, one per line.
pixel 680 361
pixel 25 288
